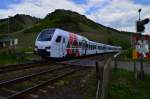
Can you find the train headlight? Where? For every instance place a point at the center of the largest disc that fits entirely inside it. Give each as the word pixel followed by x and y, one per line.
pixel 47 48
pixel 35 48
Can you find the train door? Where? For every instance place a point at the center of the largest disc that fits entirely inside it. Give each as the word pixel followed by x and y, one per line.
pixel 84 47
pixel 58 48
pixel 63 47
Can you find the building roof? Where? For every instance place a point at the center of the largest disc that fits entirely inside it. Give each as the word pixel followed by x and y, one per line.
pixel 6 38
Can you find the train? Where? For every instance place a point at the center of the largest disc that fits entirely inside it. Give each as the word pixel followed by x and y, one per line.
pixel 57 43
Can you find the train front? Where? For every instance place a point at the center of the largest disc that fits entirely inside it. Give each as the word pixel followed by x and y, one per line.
pixel 43 43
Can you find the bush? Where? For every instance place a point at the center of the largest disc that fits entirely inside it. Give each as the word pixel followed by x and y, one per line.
pixel 119 42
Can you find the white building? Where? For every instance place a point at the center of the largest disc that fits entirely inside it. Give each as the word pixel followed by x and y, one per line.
pixel 7 41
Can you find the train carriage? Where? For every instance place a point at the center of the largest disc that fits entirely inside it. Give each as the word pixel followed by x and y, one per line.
pixel 57 43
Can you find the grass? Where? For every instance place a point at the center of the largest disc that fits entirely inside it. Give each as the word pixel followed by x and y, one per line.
pixel 61 83
pixel 14 56
pixel 123 86
pixel 23 86
pixel 91 85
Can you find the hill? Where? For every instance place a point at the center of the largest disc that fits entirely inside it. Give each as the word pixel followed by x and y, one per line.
pixel 80 24
pixel 16 23
pixel 70 21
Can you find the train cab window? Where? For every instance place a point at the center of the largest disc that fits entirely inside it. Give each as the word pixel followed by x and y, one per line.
pixel 58 40
pixel 46 35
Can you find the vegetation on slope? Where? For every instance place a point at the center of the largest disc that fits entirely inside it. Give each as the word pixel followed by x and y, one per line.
pixel 16 23
pixel 74 22
pixel 26 29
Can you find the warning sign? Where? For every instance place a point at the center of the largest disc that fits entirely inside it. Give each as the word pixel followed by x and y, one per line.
pixel 141 46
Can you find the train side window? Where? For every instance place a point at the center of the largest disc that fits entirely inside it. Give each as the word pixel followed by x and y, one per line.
pixel 63 40
pixel 68 45
pixel 58 40
pixel 80 44
pixel 86 45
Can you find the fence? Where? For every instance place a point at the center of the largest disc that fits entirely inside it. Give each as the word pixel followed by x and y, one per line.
pixel 103 72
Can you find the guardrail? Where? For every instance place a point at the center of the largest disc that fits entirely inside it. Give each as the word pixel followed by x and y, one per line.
pixel 103 75
pixel 102 78
pixel 115 59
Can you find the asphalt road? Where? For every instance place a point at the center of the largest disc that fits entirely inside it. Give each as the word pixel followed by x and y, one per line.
pixel 130 66
pixel 121 64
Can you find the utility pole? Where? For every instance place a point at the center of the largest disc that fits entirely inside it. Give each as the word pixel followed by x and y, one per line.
pixel 9 24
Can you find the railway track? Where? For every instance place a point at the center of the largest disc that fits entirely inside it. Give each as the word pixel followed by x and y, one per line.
pixel 10 68
pixel 9 90
pixel 17 87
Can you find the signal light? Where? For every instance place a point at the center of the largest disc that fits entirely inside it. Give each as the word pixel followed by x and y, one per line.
pixel 140 24
pixel 145 21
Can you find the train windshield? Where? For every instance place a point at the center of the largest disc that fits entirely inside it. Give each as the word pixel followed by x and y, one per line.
pixel 46 35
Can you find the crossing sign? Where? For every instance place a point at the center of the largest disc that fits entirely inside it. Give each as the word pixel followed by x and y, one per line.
pixel 141 46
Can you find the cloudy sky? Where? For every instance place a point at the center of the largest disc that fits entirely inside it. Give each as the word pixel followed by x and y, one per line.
pixel 118 14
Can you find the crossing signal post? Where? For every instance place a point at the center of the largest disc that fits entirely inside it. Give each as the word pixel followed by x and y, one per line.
pixel 140 27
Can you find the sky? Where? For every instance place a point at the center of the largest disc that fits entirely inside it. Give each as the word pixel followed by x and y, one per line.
pixel 118 14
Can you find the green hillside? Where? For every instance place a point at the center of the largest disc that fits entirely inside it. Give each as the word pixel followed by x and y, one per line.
pixel 16 23
pixel 70 21
pixel 74 22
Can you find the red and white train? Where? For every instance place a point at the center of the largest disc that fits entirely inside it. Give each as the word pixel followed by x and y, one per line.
pixel 57 43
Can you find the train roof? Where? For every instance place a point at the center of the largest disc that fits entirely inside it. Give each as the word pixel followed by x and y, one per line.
pixel 79 36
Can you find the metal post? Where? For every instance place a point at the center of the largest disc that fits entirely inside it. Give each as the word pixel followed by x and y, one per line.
pixel 98 80
pixel 141 68
pixel 135 70
pixel 115 60
pixel 141 75
pixel 116 65
pixel 139 14
pixel 8 24
pixel 99 74
pixel 141 63
pixel 97 71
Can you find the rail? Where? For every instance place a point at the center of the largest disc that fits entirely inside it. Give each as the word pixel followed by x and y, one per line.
pixel 10 68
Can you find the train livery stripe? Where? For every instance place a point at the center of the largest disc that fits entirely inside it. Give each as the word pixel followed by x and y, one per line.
pixel 73 48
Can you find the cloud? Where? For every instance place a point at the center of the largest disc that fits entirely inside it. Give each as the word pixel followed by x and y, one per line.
pixel 120 14
pixel 39 8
